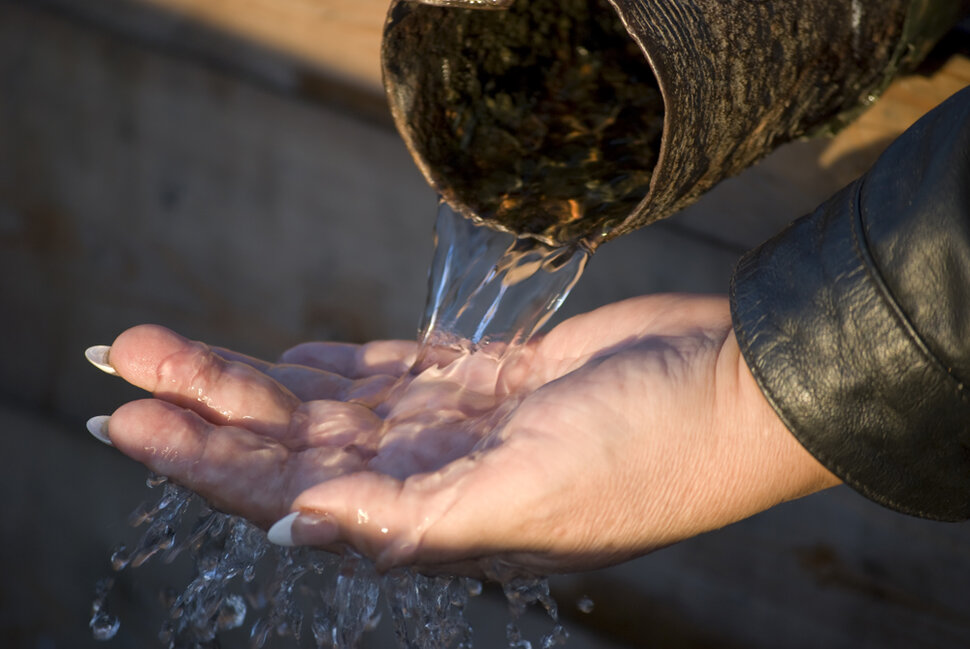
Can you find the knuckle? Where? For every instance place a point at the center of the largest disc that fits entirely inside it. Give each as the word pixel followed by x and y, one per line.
pixel 190 372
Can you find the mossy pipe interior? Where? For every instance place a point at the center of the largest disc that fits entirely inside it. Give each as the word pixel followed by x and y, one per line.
pixel 585 119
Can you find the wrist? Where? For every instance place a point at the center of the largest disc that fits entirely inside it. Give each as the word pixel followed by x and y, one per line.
pixel 773 456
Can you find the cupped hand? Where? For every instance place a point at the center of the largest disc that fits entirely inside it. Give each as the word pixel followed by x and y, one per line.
pixel 620 431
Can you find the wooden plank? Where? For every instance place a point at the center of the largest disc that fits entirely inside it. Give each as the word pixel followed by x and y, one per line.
pixel 908 98
pixel 341 35
pixel 323 51
pixel 329 50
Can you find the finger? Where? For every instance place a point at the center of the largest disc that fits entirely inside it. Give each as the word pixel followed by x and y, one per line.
pixel 392 357
pixel 384 519
pixel 221 463
pixel 309 383
pixel 335 424
pixel 355 510
pixel 191 375
pixel 239 357
pixel 465 511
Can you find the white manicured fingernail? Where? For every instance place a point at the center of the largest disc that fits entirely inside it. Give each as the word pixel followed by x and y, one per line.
pixel 98 426
pixel 282 531
pixel 98 356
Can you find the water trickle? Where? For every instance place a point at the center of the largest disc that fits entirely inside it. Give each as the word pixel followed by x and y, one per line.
pixel 488 293
pixel 103 625
pixel 492 289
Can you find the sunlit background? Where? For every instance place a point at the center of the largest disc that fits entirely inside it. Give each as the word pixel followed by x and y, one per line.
pixel 228 168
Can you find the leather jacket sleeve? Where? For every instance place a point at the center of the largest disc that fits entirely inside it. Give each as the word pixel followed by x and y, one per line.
pixel 855 321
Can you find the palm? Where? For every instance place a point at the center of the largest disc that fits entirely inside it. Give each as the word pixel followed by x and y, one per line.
pixel 539 461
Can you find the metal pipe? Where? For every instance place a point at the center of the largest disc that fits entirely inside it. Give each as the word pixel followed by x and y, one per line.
pixel 569 119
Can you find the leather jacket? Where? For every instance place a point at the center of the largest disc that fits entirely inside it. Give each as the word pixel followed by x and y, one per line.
pixel 855 321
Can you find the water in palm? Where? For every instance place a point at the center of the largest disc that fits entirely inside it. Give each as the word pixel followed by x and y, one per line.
pixel 489 292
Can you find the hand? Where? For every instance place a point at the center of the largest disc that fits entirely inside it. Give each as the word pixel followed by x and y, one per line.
pixel 622 430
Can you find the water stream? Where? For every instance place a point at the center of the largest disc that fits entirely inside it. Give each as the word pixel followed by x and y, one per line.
pixel 488 293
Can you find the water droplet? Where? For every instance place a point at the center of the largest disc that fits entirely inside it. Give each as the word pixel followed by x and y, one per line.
pixel 514 637
pixel 557 638
pixel 585 604
pixel 232 614
pixel 104 626
pixel 259 633
pixel 142 514
pixel 166 634
pixel 322 628
pixel 119 558
pixel 156 538
pixel 154 480
pixel 371 623
pixel 249 573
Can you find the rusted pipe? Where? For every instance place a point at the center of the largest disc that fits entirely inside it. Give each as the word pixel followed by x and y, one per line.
pixel 567 119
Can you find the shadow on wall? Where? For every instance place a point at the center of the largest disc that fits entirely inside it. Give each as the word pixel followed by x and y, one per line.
pixel 145 180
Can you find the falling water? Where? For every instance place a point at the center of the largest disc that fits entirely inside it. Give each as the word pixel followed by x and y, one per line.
pixel 487 287
pixel 488 293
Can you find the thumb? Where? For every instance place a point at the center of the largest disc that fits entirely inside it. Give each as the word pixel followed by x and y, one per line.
pixel 365 510
pixel 421 520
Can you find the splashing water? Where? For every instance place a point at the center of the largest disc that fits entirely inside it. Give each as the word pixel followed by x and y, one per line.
pixel 103 625
pixel 488 293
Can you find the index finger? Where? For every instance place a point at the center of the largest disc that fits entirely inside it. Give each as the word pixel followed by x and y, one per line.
pixel 392 357
pixel 191 375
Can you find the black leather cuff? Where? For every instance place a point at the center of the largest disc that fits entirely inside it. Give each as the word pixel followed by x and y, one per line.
pixel 855 321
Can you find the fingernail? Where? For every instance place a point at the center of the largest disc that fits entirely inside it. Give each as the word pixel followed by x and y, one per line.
pixel 98 426
pixel 98 356
pixel 313 529
pixel 282 531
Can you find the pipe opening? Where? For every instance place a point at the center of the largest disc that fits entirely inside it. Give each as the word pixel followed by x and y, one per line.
pixel 544 119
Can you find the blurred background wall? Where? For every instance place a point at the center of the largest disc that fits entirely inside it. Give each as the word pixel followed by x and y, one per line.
pixel 228 168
